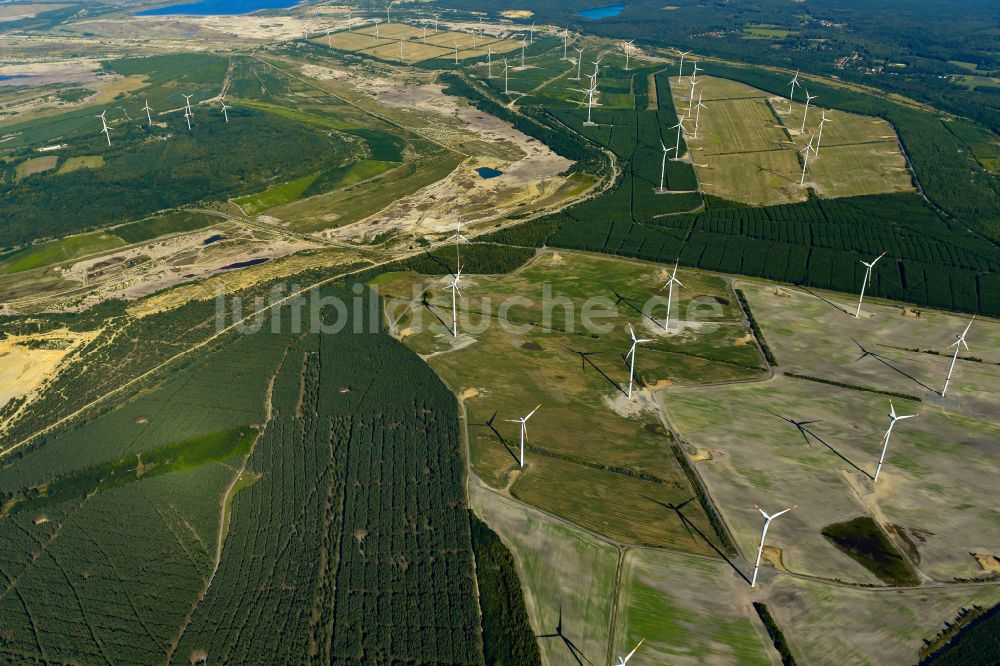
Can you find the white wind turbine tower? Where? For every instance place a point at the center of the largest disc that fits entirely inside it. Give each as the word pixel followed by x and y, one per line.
pixel 436 17
pixel 697 115
pixel 809 98
pixel 763 534
pixel 187 104
pixel 565 42
pixel 401 56
pixel 669 286
pixel 627 47
pixel 506 68
pixel 349 21
pixel 148 110
pixel 958 344
pixel 456 52
pixel 819 137
pixel 868 279
pixel 795 84
pixel 187 117
pixel 624 660
pixel 455 293
pixel 680 70
pixel 579 62
pixel 677 146
pixel 663 165
pixel 631 353
pixel 694 82
pixel 531 32
pixel 458 238
pixel 104 126
pixel 695 70
pixel 524 45
pixel 888 433
pixel 475 39
pixel 225 110
pixel 590 100
pixel 375 34
pixel 524 431
pixel 805 159
pixel 387 8
pixel 597 66
pixel 489 63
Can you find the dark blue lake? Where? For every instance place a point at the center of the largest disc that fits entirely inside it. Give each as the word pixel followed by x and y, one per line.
pixel 219 7
pixel 598 13
pixel 487 173
pixel 11 77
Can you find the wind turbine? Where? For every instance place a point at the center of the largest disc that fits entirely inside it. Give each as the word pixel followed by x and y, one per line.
pixel 506 68
pixel 531 32
pixel 436 17
pixel 458 237
pixel 760 549
pixel 350 23
pixel 677 146
pixel 524 431
pixel 148 109
pixel 809 98
pixel 565 42
pixel 401 56
pixel 631 353
pixel 695 70
pixel 805 159
pixel 225 110
pixel 453 285
pixel 694 82
pixel 597 65
pixel 867 281
pixel 624 660
pixel 104 126
pixel 958 344
pixel 187 104
pixel 795 84
pixel 590 100
pixel 680 70
pixel 669 286
pixel 524 45
pixel 819 137
pixel 888 433
pixel 627 47
pixel 375 34
pixel 489 63
pixel 456 52
pixel 697 115
pixel 579 62
pixel 387 7
pixel 475 39
pixel 663 165
pixel 329 44
pixel 187 117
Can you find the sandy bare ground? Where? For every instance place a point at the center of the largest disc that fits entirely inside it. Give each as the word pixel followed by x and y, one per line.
pixel 247 28
pixel 142 270
pixel 531 171
pixel 24 369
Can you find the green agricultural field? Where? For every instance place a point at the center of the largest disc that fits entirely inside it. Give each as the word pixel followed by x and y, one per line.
pixel 929 498
pixel 589 442
pixel 418 45
pixel 36 165
pixel 81 162
pixel 689 611
pixel 280 194
pixel 836 625
pixel 53 252
pixel 748 147
pixel 171 223
pixel 566 575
